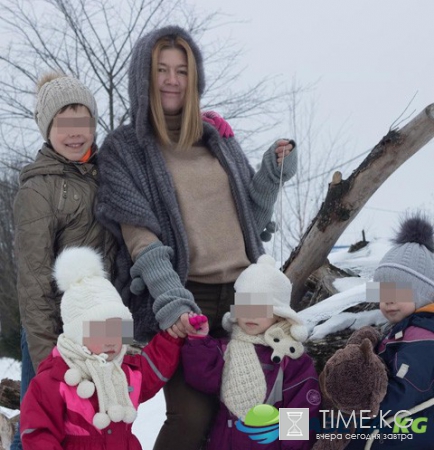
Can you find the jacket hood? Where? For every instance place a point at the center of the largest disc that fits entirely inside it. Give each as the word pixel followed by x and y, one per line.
pixel 139 75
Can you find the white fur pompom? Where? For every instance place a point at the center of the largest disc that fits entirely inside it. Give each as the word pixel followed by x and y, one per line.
pixel 101 420
pixel 227 322
pixel 267 260
pixel 76 263
pixel 299 332
pixel 130 414
pixel 116 413
pixel 85 389
pixel 72 377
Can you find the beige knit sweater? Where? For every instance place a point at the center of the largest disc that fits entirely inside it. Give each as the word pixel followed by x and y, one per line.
pixel 216 243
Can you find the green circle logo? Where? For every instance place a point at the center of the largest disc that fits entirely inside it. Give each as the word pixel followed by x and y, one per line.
pixel 262 415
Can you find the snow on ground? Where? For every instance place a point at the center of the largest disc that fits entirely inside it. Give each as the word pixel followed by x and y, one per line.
pixel 352 292
pixel 343 284
pixel 364 261
pixel 327 316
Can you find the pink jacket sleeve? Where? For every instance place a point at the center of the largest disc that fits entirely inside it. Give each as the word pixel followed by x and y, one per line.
pixel 41 420
pixel 160 358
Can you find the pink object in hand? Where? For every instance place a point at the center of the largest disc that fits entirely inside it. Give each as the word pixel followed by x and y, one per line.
pixel 219 123
pixel 200 324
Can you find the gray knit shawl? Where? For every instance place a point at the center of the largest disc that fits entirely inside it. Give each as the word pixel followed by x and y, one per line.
pixel 136 187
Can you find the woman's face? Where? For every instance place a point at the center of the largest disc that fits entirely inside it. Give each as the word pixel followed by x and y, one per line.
pixel 172 79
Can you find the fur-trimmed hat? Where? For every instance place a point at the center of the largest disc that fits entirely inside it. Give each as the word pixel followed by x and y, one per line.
pixel 57 91
pixel 88 295
pixel 411 260
pixel 264 278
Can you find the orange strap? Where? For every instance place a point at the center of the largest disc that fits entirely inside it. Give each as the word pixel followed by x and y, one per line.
pixel 86 156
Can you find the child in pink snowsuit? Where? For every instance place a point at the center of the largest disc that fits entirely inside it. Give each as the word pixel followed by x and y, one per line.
pixel 86 393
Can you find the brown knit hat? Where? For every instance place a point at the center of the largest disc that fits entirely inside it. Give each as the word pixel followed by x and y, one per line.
pixel 56 91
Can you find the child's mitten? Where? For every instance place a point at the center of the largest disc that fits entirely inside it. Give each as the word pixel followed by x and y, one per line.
pixel 200 324
pixel 219 123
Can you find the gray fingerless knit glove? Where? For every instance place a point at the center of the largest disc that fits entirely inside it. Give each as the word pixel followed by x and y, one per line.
pixel 155 268
pixel 270 171
pixel 264 187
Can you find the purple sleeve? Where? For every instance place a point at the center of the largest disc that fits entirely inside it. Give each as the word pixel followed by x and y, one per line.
pixel 301 390
pixel 202 361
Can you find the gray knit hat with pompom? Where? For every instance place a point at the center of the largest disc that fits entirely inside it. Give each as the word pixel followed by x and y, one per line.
pixel 55 92
pixel 411 260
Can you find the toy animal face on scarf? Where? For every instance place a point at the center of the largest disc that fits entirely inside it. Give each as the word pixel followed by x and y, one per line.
pixel 280 339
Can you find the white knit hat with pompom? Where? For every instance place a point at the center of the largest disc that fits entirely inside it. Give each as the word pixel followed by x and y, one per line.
pixel 264 278
pixel 88 295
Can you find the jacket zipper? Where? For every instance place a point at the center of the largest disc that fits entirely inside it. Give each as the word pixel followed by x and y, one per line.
pixel 63 195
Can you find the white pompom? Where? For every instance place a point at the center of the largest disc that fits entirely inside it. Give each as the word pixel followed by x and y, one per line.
pixel 85 389
pixel 72 377
pixel 101 420
pixel 299 332
pixel 116 413
pixel 130 414
pixel 76 263
pixel 267 260
pixel 227 322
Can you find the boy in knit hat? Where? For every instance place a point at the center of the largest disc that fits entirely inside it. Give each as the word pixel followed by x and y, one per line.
pixel 54 209
pixel 404 286
pixel 86 393
pixel 262 363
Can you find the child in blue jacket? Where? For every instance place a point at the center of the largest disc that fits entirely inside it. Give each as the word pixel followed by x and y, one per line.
pixel 404 285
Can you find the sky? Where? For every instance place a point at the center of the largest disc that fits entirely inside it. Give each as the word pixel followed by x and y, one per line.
pixel 368 59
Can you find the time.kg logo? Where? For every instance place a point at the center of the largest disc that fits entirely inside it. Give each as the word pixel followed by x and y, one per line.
pixel 261 424
pixel 265 424
pixel 294 424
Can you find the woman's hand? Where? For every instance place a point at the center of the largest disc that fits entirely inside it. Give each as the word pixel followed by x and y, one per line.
pixel 181 327
pixel 284 148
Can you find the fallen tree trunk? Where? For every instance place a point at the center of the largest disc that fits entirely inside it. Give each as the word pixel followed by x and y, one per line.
pixel 345 198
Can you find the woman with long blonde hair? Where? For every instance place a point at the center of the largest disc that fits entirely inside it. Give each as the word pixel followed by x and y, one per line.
pixel 187 208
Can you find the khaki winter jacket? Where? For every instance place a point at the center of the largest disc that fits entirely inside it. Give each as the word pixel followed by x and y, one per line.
pixel 52 210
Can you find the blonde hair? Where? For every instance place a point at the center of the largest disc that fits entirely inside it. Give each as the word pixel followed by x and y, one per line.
pixel 191 122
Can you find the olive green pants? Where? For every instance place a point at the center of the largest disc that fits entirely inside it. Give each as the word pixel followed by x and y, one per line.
pixel 190 412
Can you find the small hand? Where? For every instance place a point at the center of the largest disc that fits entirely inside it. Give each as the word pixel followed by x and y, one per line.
pixel 181 327
pixel 284 148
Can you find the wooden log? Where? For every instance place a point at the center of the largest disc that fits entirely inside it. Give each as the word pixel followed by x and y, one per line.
pixel 345 198
pixel 10 393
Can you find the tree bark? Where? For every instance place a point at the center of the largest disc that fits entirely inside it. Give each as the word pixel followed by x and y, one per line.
pixel 10 393
pixel 345 198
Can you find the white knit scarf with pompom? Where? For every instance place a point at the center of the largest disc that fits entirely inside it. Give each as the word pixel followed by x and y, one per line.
pixel 243 380
pixel 91 372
